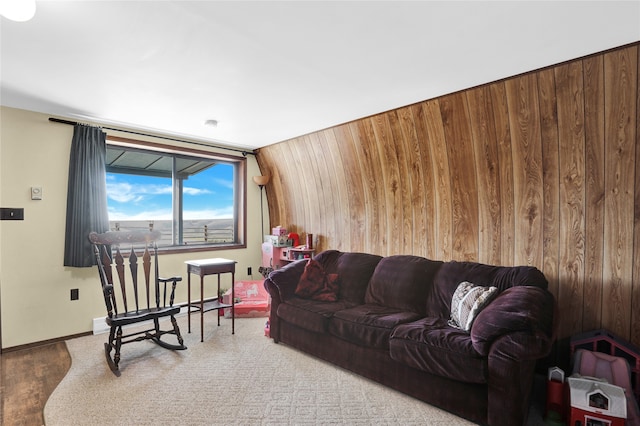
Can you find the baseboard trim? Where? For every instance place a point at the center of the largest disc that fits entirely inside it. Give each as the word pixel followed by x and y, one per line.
pixel 43 342
pixel 99 327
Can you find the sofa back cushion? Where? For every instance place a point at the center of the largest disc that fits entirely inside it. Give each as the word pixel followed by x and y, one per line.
pixel 402 282
pixel 453 273
pixel 354 271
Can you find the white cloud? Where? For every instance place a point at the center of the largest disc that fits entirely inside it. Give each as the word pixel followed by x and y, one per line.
pixel 165 214
pixel 223 213
pixel 124 192
pixel 224 182
pixel 139 194
pixel 161 214
pixel 195 191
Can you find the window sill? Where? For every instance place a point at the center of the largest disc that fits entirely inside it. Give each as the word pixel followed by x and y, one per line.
pixel 200 248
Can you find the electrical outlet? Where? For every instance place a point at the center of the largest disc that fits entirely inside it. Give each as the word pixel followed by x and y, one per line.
pixel 75 294
pixel 249 272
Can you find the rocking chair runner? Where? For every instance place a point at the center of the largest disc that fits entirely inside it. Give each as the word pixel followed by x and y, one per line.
pixel 144 242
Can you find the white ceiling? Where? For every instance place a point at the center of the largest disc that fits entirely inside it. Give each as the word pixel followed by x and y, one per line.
pixel 269 71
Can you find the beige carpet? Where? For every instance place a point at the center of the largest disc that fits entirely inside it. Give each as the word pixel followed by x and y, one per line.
pixel 242 379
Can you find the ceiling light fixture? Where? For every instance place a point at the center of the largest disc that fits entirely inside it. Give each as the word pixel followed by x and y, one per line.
pixel 211 123
pixel 18 10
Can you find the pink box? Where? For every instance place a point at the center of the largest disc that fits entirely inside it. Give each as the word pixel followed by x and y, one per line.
pixel 279 230
pixel 254 300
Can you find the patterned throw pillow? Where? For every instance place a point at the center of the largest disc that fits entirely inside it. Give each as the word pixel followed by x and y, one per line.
pixel 316 284
pixel 467 302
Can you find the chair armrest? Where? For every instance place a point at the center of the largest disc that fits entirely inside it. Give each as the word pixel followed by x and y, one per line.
pixel 284 281
pixel 164 280
pixel 527 311
pixel 107 291
pixel 174 280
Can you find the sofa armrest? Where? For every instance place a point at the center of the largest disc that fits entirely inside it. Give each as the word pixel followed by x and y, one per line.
pixel 511 366
pixel 526 311
pixel 281 283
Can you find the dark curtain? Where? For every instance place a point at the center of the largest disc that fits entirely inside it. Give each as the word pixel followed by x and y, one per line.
pixel 86 194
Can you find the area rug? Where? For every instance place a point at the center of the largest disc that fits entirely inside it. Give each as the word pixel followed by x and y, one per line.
pixel 240 379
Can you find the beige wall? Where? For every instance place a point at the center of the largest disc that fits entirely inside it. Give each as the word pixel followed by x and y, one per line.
pixel 34 286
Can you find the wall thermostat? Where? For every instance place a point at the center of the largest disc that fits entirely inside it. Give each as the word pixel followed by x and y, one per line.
pixel 36 193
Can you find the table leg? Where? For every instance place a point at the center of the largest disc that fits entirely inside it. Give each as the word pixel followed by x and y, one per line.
pixel 219 299
pixel 188 300
pixel 233 298
pixel 202 308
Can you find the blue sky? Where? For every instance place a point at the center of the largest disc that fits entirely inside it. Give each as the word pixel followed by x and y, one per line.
pixel 207 195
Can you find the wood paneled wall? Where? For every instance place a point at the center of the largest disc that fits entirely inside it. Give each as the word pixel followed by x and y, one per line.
pixel 541 169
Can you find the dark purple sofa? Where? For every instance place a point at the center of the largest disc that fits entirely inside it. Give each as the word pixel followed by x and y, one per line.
pixel 390 324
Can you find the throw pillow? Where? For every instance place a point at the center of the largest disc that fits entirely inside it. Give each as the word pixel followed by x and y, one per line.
pixel 467 302
pixel 316 284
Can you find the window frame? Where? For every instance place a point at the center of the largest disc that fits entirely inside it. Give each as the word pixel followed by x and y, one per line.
pixel 240 206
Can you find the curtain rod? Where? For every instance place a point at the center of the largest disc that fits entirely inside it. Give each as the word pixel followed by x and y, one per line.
pixel 73 123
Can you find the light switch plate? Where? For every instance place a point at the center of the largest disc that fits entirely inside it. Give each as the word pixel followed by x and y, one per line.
pixel 36 193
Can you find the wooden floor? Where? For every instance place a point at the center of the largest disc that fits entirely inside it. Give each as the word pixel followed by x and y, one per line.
pixel 27 378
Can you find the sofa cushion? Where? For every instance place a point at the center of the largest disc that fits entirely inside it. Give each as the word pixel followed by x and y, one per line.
pixel 401 282
pixel 453 273
pixel 431 345
pixel 316 284
pixel 354 270
pixel 309 314
pixel 368 325
pixel 467 302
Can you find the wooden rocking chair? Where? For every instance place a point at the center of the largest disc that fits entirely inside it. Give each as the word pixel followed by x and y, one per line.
pixel 107 247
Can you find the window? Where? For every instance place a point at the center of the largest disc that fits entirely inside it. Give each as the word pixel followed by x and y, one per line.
pixel 195 198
